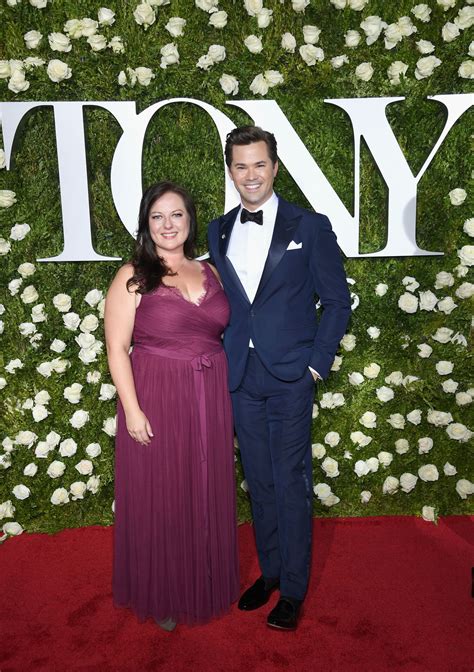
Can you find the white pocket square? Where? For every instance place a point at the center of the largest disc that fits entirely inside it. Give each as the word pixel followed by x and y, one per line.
pixel 294 246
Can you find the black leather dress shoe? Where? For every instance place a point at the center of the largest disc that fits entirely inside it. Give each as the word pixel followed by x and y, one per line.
pixel 258 594
pixel 285 615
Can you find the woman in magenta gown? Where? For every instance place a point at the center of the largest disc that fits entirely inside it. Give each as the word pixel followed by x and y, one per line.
pixel 175 554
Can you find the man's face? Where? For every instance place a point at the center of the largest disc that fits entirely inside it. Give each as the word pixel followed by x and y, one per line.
pixel 252 173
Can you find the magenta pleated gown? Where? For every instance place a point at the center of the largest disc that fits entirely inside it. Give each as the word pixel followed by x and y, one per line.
pixel 175 514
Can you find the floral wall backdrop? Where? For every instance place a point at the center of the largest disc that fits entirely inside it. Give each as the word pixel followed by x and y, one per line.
pixel 393 425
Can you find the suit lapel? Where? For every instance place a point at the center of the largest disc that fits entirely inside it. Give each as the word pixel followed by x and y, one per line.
pixel 226 224
pixel 285 224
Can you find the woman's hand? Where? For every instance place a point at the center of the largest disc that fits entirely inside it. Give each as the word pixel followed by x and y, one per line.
pixel 139 427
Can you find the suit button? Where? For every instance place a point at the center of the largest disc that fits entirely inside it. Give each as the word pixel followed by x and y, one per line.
pixel 252 313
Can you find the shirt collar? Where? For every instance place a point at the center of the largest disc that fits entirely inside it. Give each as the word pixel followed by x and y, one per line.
pixel 269 208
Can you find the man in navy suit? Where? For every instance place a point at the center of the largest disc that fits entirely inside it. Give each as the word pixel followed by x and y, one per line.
pixel 273 258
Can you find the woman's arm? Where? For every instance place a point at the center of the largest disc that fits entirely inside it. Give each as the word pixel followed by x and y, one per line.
pixel 120 308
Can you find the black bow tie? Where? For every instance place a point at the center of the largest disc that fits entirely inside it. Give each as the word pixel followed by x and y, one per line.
pixel 246 216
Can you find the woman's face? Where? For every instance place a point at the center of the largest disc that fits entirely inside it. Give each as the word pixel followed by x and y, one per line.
pixel 168 222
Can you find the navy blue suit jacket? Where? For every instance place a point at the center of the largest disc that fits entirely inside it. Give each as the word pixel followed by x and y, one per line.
pixel 282 320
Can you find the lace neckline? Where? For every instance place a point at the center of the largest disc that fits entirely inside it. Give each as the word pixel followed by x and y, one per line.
pixel 202 295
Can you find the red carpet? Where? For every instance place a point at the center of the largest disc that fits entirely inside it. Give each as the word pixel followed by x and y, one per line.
pixel 386 594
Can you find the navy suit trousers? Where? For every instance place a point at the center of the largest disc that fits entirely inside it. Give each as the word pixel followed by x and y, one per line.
pixel 273 425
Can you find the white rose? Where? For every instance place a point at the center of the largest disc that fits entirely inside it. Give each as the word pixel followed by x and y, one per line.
pixel 463 399
pixel 144 75
pixel 7 510
pixel 85 340
pixel 372 464
pixel 428 472
pixel 79 419
pixel 421 12
pixel 253 7
pixel 58 71
pixel 87 355
pixel 439 418
pixel 109 426
pixel 465 290
pixel 338 4
pixel 7 199
pixel 273 77
pixel 19 231
pixel 264 18
pixel 446 305
pixel 348 342
pixel 450 32
pixel 53 439
pixel 107 392
pixel 410 283
pixel 444 279
pixel 355 378
pixel 93 484
pixel 428 514
pixel 45 369
pixel 406 26
pixel 5 247
pixel 322 490
pixel 466 255
pixel 408 482
pixel 5 461
pixel 32 39
pixel 459 432
pixel 444 367
pixel 425 47
pixel 62 302
pixel 465 18
pixel 395 378
pixel 338 61
pixel 385 458
pixel 360 438
pixel 373 332
pixel 71 321
pixel 384 393
pixel 336 365
pixel 229 84
pixel 17 82
pixel 218 19
pixel 311 34
pixel 414 417
pixel 401 446
pixel 330 467
pixel 464 488
pixel 372 370
pixel 206 5
pixel 253 44
pixel 372 27
pixel 318 451
pixel 457 196
pixel 14 529
pixel 352 38
pixel 365 496
pixel 60 496
pixel 144 15
pixel 408 303
pixel 205 62
pixel 30 469
pixel 288 42
pixel 93 450
pixel 330 400
pixel 217 53
pixel 175 26
pixel 93 377
pixel 73 28
pixel 449 469
pixel 425 444
pixel 361 468
pixel 169 55
pixel 21 491
pixel 3 383
pixel 39 412
pixel 299 5
pixel 26 269
pixel 466 70
pixel 56 469
pixel 39 4
pixel 28 404
pixel 84 467
pixel 59 42
pixel 424 350
pixel 122 78
pixel 26 328
pixel 57 345
pixel 67 448
pixel 397 421
pixel 395 71
pixel 78 490
pixel 442 335
pixel 43 397
pixel 368 420
pixel 29 294
pixel 390 485
pixel 106 16
pixel 89 323
pixel 97 42
pixel 332 439
pixel 311 54
pixel 425 66
pixel 428 300
pixel 357 5
pixel 13 364
pixel 259 85
pixel 9 445
pixel 117 45
pixel 446 4
pixel 393 35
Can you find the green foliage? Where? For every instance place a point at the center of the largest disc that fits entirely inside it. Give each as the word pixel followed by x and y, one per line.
pixel 182 144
